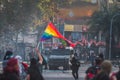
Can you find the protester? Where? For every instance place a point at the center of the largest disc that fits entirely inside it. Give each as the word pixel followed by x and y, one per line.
pixel 101 56
pixel 92 58
pixel 75 67
pixel 93 70
pixel 105 71
pixel 33 71
pixel 22 67
pixel 11 70
pixel 8 55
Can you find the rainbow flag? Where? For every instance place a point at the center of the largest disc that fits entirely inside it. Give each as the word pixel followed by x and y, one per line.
pixel 50 32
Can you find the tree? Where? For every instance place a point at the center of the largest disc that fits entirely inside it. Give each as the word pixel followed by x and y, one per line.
pixel 50 8
pixel 101 20
pixel 18 16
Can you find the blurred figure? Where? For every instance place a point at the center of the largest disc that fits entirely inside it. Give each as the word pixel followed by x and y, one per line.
pixel 92 58
pixel 11 71
pixel 75 64
pixel 33 71
pixel 22 67
pixel 8 55
pixel 101 56
pixel 93 70
pixel 105 71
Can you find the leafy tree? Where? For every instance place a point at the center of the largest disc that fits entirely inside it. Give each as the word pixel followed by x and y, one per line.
pixel 24 13
pixel 101 21
pixel 16 16
pixel 49 8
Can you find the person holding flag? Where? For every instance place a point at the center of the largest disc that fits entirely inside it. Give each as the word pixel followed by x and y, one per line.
pixel 51 31
pixel 33 71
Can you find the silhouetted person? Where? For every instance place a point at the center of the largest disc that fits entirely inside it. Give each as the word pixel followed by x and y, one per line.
pixel 33 71
pixel 105 71
pixel 101 56
pixel 93 70
pixel 92 58
pixel 75 67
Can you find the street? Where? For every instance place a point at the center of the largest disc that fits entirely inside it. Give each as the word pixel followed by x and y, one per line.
pixel 63 75
pixel 66 75
pixel 58 34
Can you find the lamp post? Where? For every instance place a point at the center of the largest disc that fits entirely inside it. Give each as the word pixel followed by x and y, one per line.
pixel 111 23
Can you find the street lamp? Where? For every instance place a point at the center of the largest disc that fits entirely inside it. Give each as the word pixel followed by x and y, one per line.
pixel 111 23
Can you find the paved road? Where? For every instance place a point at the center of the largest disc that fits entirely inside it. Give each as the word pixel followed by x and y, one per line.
pixel 66 75
pixel 62 75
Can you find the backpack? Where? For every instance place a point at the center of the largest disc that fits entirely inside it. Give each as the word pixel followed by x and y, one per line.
pixel 91 72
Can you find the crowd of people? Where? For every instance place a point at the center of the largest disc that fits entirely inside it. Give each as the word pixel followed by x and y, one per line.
pixel 101 70
pixel 15 69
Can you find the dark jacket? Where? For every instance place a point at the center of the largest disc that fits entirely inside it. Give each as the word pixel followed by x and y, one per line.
pixel 10 76
pixel 33 71
pixel 35 74
pixel 102 76
pixel 75 63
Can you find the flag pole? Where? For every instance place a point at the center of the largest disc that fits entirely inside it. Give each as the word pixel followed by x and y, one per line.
pixel 38 44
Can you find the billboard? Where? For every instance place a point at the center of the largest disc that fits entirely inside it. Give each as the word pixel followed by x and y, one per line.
pixel 68 27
